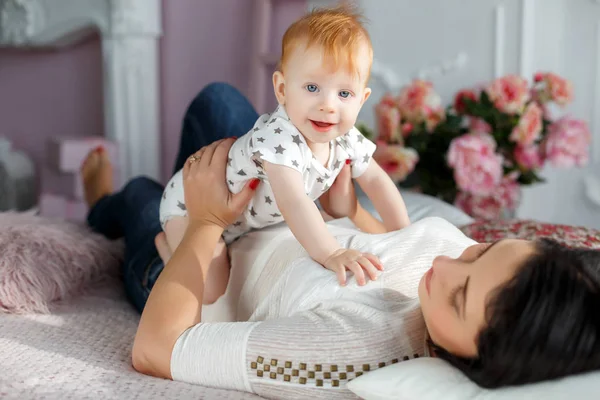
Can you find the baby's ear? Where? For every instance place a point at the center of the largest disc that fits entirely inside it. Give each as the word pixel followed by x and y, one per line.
pixel 279 87
pixel 366 95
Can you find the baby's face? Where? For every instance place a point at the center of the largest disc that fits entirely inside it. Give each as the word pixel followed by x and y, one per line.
pixel 323 102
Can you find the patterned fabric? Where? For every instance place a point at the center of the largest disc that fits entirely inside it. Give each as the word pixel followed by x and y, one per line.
pixel 276 140
pixel 572 236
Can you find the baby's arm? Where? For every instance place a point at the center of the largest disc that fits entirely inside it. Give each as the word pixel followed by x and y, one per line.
pixel 385 197
pixel 305 221
pixel 300 212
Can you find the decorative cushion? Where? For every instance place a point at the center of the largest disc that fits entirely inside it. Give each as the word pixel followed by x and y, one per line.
pixel 45 260
pixel 572 236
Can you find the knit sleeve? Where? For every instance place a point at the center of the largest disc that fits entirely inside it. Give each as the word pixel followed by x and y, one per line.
pixel 314 354
pixel 310 355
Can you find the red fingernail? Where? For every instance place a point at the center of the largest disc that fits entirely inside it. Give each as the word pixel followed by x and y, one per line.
pixel 348 161
pixel 100 149
pixel 254 184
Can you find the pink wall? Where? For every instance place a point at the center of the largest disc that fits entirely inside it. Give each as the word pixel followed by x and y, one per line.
pixel 46 93
pixel 203 44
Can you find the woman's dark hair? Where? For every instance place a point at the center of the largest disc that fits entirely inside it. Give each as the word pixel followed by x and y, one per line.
pixel 543 324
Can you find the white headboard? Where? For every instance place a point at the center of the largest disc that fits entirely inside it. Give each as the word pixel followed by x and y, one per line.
pixel 129 31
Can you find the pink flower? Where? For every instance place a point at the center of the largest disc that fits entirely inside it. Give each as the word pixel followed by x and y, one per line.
pixel 418 102
pixel 529 157
pixel 459 100
pixel 529 128
pixel 567 142
pixel 479 125
pixel 538 77
pixel 509 94
pixel 477 167
pixel 388 120
pixel 397 161
pixel 505 196
pixel 554 88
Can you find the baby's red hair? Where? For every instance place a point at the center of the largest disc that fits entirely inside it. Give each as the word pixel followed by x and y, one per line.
pixel 338 31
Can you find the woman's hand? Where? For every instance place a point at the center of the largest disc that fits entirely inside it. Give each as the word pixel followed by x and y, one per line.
pixel 207 198
pixel 340 200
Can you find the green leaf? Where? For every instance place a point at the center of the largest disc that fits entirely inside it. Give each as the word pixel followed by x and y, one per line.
pixel 365 130
pixel 485 101
pixel 530 177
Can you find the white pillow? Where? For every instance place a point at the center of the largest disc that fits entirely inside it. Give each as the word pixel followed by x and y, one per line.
pixel 431 378
pixel 421 206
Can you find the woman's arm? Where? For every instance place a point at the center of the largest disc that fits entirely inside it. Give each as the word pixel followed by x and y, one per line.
pixel 385 197
pixel 340 201
pixel 366 222
pixel 175 302
pixel 309 355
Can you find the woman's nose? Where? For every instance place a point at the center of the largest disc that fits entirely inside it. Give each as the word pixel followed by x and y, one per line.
pixel 447 269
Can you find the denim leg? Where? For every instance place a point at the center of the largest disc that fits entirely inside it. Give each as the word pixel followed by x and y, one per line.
pixel 132 213
pixel 218 111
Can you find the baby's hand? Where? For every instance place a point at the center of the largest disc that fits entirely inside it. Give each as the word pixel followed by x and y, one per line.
pixel 355 261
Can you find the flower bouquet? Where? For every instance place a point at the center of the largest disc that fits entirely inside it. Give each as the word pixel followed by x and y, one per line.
pixel 477 152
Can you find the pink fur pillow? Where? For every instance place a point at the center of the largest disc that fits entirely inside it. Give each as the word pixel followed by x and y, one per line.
pixel 43 260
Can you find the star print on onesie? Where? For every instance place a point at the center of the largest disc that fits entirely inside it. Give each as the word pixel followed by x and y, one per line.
pixel 276 140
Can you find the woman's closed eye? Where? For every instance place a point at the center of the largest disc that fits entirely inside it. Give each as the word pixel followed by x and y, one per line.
pixel 458 295
pixel 458 298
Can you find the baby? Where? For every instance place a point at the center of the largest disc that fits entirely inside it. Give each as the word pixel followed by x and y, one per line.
pixel 299 149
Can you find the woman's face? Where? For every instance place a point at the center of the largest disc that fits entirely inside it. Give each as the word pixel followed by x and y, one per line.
pixel 454 292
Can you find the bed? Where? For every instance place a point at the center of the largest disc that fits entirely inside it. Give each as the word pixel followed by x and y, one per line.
pixel 82 348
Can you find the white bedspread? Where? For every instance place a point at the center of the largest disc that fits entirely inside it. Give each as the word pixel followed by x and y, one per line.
pixel 82 351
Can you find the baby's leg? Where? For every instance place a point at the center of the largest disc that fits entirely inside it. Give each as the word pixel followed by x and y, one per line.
pixel 218 272
pixel 175 229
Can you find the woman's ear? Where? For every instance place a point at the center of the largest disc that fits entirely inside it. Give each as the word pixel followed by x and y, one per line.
pixel 279 87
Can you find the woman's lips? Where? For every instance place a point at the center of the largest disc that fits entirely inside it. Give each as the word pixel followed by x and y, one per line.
pixel 428 276
pixel 321 126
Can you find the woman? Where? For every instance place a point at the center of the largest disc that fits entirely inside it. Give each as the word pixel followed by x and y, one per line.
pixel 506 313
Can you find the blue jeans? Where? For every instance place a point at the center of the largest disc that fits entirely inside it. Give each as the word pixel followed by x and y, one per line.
pixel 217 112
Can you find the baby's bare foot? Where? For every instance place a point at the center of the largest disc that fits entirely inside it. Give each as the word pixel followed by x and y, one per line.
pixel 164 251
pixel 97 174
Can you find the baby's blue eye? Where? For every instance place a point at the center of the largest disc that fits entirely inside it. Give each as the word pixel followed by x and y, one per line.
pixel 344 94
pixel 312 88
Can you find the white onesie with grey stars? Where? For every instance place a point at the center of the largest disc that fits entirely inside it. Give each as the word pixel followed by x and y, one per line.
pixel 274 139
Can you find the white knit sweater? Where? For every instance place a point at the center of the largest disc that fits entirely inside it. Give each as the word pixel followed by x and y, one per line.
pixel 286 329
